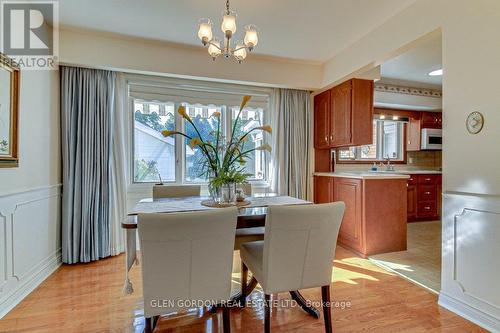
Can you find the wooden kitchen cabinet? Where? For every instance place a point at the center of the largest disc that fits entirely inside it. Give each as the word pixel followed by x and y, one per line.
pixel 413 130
pixel 412 201
pixel 432 120
pixel 375 212
pixel 349 191
pixel 323 189
pixel 322 105
pixel 343 115
pixel 340 119
pixel 424 197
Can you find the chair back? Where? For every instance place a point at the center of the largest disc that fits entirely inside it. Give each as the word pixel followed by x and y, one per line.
pixel 167 191
pixel 299 245
pixel 186 257
pixel 247 189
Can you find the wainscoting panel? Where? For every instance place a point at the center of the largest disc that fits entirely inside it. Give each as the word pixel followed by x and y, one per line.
pixel 471 257
pixel 30 242
pixel 3 252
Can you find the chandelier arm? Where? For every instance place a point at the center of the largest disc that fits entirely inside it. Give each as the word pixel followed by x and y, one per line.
pixel 213 44
pixel 227 7
pixel 240 48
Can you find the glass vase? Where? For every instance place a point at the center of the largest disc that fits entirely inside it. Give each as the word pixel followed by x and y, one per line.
pixel 224 194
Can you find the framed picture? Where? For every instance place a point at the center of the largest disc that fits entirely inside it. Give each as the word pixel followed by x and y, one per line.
pixel 9 112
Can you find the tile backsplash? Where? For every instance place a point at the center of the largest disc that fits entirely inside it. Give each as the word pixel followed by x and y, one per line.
pixel 425 159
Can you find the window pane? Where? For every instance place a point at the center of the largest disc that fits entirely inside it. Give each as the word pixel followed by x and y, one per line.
pixel 347 153
pixel 251 118
pixel 370 151
pixel 202 116
pixel 154 155
pixel 390 148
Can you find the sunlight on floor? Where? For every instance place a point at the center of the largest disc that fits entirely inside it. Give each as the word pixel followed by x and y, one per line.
pixel 395 266
pixel 362 263
pixel 347 276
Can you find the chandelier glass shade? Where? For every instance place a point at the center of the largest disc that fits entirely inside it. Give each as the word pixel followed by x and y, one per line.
pixel 228 26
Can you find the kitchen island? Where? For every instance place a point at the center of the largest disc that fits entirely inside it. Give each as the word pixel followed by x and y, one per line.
pixel 376 208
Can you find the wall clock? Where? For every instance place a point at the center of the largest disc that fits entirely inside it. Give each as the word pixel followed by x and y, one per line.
pixel 475 122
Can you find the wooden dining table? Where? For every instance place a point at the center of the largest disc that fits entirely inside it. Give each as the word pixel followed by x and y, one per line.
pixel 250 216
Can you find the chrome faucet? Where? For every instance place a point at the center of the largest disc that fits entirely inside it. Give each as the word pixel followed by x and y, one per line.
pixel 389 166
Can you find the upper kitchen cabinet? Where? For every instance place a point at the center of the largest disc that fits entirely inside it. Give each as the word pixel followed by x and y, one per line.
pixel 348 118
pixel 340 118
pixel 413 129
pixel 432 120
pixel 322 120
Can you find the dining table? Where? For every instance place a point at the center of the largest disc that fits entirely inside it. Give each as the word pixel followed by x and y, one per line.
pixel 252 215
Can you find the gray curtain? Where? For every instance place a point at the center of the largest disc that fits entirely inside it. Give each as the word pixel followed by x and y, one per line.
pixel 291 121
pixel 87 105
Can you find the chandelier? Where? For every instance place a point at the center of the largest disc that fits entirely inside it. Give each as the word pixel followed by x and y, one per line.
pixel 228 26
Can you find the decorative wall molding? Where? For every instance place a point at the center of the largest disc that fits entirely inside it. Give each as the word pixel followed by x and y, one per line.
pixel 30 248
pixel 457 218
pixel 471 229
pixel 389 88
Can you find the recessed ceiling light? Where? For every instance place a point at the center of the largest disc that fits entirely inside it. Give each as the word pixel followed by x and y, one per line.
pixel 437 72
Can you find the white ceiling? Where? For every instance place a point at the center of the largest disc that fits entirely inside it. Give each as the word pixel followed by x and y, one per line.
pixel 412 68
pixel 308 30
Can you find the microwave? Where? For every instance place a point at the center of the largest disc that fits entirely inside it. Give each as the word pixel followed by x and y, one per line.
pixel 432 139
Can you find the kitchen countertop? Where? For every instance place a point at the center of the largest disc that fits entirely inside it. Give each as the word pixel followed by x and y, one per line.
pixel 363 175
pixel 413 172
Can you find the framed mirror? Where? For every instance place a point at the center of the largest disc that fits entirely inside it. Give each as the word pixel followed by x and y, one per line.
pixel 9 112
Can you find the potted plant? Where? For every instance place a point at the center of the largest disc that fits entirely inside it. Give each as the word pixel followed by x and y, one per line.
pixel 224 159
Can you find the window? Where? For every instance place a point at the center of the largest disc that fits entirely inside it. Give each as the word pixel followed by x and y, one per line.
pixel 387 142
pixel 172 159
pixel 154 154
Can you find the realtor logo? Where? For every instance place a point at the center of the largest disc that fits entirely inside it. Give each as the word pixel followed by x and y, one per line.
pixel 30 33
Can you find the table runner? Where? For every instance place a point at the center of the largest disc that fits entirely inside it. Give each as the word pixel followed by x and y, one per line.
pixel 190 204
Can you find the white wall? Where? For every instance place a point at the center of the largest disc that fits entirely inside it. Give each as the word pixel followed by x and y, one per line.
pixel 103 50
pixel 471 176
pixel 30 194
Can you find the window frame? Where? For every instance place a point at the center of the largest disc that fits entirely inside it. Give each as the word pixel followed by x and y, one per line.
pixel 180 148
pixel 380 138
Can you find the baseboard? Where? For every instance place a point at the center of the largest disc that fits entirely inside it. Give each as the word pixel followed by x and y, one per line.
pixel 472 314
pixel 31 283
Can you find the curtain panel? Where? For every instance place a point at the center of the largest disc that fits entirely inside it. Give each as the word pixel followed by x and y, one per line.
pixel 290 162
pixel 88 106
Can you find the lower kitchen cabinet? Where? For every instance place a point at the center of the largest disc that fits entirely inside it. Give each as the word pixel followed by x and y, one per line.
pixel 424 197
pixel 323 189
pixel 375 214
pixel 349 190
pixel 412 201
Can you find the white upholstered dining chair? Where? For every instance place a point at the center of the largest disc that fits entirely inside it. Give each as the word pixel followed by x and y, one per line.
pixel 186 257
pixel 167 191
pixel 246 235
pixel 297 252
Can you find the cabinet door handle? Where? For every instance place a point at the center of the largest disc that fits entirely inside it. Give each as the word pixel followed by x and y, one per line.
pixel 427 193
pixel 326 138
pixel 331 137
pixel 427 208
pixel 427 179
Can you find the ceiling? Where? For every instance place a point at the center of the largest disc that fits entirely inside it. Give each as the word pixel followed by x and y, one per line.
pixel 412 68
pixel 307 30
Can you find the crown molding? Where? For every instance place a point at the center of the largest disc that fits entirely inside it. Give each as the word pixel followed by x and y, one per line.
pixel 389 88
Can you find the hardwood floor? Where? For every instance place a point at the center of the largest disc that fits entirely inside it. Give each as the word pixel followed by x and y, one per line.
pixel 88 298
pixel 421 263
